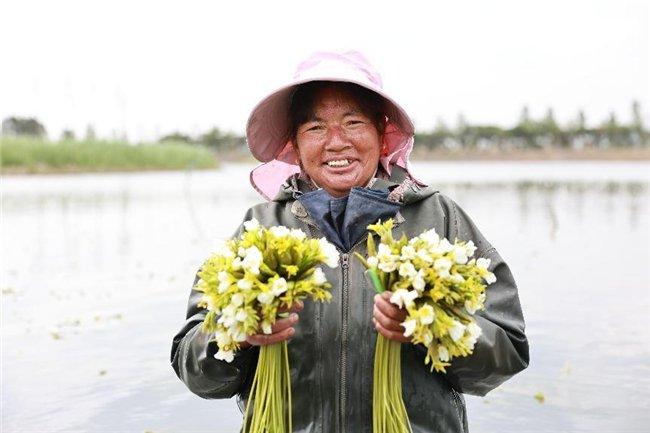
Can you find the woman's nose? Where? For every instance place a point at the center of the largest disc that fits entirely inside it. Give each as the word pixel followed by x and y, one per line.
pixel 337 140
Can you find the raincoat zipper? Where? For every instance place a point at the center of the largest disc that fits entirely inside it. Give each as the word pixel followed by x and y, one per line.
pixel 345 262
pixel 345 259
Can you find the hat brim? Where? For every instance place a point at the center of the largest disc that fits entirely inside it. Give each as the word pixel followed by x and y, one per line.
pixel 268 124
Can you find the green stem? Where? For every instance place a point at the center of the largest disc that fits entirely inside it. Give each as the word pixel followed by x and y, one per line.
pixel 389 412
pixel 270 390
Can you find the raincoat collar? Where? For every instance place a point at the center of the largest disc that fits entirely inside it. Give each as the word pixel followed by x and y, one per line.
pixel 400 184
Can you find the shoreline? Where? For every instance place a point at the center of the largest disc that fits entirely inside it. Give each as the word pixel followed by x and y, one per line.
pixel 616 154
pixel 418 155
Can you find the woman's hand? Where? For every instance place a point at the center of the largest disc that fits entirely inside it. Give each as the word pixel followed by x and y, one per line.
pixel 280 331
pixel 388 318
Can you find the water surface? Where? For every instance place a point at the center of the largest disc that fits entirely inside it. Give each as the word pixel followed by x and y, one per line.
pixel 96 269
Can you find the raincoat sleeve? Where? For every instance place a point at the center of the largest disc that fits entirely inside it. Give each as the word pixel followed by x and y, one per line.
pixel 502 348
pixel 192 358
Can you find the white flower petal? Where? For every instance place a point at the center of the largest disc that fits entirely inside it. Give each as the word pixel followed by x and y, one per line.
pixel 442 266
pixel 470 248
pixel 427 314
pixel 298 234
pixel 407 269
pixel 319 277
pixel 443 353
pixel 431 237
pixel 225 355
pixel 483 263
pixel 279 231
pixel 245 284
pixel 251 225
pixel 409 327
pixel 252 260
pixel 265 298
pixel 397 297
pixel 456 331
pixel 460 254
pixel 408 252
pixel 241 315
pixel 418 281
pixel 329 251
pixel 279 286
pixel 237 299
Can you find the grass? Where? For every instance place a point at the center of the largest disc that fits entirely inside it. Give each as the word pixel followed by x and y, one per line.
pixel 32 155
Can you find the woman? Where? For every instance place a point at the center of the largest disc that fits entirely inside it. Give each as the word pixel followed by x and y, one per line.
pixel 335 149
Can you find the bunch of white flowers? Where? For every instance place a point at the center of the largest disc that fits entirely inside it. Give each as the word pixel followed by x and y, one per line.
pixel 438 283
pixel 248 279
pixel 244 284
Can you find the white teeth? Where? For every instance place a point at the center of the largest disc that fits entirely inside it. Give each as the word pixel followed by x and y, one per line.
pixel 338 163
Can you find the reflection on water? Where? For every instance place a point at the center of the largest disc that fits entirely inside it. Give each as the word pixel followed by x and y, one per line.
pixel 96 270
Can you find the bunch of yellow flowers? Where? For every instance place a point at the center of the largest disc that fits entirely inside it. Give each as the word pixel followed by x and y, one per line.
pixel 441 289
pixel 438 283
pixel 249 278
pixel 245 282
pixel 440 286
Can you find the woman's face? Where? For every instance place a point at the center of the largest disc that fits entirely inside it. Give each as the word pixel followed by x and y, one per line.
pixel 339 146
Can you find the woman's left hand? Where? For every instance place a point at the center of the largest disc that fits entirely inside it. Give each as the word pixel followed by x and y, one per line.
pixel 388 318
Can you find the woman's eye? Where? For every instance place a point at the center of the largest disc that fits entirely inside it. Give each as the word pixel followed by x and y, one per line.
pixel 313 128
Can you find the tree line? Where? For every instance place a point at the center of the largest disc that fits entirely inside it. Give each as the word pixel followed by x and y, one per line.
pixel 528 133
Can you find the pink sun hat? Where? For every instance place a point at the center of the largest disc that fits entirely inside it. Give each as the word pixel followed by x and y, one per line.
pixel 267 128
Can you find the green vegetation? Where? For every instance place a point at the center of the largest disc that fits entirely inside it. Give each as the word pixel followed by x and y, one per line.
pixel 24 146
pixel 34 155
pixel 545 133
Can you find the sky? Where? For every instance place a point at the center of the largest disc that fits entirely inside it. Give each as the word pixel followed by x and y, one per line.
pixel 146 69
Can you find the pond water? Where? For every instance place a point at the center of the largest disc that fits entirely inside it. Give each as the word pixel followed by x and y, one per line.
pixel 96 269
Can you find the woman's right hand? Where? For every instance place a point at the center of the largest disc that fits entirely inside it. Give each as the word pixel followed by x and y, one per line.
pixel 280 331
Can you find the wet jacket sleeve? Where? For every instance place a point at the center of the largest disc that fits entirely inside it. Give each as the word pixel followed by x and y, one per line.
pixel 502 349
pixel 192 358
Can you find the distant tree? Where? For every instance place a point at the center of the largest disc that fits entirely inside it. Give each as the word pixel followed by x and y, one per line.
pixel 524 117
pixel 527 130
pixel 581 122
pixel 176 137
pixel 436 138
pixel 212 138
pixel 551 131
pixel 640 135
pixel 577 134
pixel 67 135
pixel 612 133
pixel 637 119
pixel 90 133
pixel 462 131
pixel 228 141
pixel 29 126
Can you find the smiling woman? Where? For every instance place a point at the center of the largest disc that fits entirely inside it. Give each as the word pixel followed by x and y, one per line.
pixel 334 148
